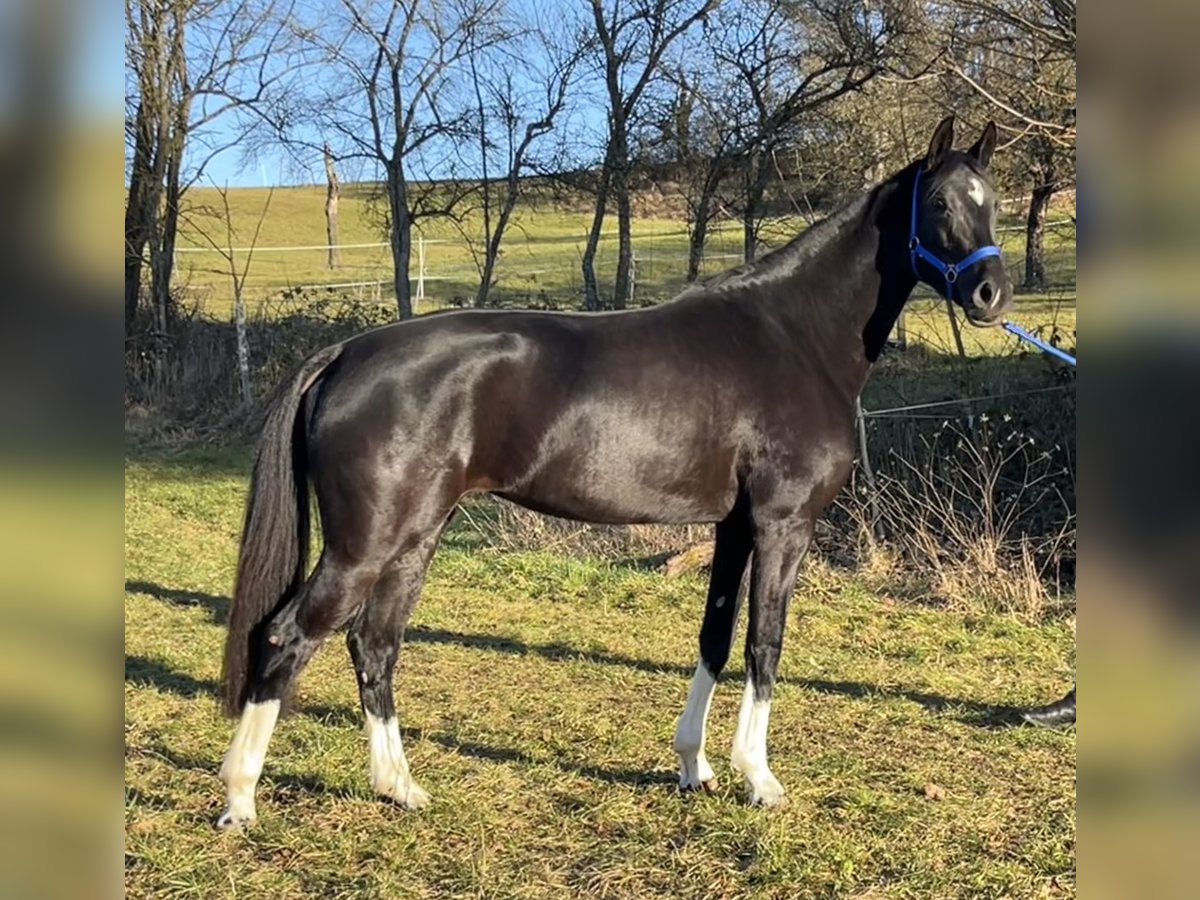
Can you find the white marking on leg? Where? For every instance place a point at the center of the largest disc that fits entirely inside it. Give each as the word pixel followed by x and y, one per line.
pixel 975 190
pixel 243 762
pixel 389 766
pixel 750 749
pixel 694 771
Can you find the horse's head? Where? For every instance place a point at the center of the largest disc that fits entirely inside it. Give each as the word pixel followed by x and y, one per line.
pixel 952 242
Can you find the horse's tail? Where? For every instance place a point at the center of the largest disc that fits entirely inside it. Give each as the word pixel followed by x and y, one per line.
pixel 273 558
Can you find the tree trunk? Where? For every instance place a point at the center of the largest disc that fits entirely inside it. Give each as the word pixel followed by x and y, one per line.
pixel 749 232
pixel 1035 229
pixel 162 253
pixel 333 193
pixel 619 143
pixel 697 238
pixel 239 327
pixel 400 239
pixel 489 261
pixel 136 234
pixel 591 293
pixel 756 186
pixel 714 172
pixel 624 238
pixel 488 272
pixel 492 254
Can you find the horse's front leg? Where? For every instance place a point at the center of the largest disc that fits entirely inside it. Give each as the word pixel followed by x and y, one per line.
pixel 730 554
pixel 779 545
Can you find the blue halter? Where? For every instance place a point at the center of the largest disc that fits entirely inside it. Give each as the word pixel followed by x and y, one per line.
pixel 950 273
pixel 916 251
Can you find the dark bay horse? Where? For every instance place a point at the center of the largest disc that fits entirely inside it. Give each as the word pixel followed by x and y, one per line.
pixel 732 404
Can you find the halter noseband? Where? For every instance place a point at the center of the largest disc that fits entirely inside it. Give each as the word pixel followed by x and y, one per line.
pixel 915 250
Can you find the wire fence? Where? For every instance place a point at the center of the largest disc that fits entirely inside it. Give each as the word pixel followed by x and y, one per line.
pixel 543 271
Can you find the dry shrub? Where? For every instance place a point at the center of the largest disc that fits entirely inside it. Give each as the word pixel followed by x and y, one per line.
pixel 505 526
pixel 184 382
pixel 981 518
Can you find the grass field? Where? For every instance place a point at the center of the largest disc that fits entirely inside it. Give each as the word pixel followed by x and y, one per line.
pixel 540 260
pixel 539 693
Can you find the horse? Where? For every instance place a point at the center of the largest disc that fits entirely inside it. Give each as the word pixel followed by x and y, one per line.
pixel 732 405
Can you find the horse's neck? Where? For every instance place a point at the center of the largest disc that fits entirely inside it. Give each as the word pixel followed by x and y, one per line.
pixel 847 295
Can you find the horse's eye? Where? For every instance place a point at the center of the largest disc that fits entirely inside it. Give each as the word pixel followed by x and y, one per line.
pixel 939 203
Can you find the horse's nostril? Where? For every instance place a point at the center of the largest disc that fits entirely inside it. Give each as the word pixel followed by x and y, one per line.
pixel 985 293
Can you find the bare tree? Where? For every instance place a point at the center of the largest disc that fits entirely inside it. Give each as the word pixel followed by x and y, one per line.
pixel 786 61
pixel 755 89
pixel 691 135
pixel 631 38
pixel 1018 59
pixel 333 192
pixel 188 64
pixel 226 248
pixel 386 88
pixel 520 90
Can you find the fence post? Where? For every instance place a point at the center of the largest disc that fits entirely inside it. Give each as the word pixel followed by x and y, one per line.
pixel 868 472
pixel 962 363
pixel 632 276
pixel 420 272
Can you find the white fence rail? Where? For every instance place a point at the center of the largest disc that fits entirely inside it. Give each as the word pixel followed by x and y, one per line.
pixel 529 269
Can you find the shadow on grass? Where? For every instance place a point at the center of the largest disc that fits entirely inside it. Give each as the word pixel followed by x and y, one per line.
pixel 556 651
pixel 155 673
pixel 968 712
pixel 632 777
pixel 279 784
pixel 217 607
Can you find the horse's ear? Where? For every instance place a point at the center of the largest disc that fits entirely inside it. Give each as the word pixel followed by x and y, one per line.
pixel 940 143
pixel 985 146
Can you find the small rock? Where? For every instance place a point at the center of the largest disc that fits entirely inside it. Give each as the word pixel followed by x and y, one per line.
pixel 934 792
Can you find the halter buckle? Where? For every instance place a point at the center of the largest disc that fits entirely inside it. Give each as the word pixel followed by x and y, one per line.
pixel 914 242
pixel 951 274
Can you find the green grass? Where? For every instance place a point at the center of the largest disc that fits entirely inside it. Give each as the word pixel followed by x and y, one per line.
pixel 539 694
pixel 540 262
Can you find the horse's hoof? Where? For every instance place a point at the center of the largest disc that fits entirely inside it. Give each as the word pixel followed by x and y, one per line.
pixel 230 821
pixel 408 795
pixel 416 797
pixel 696 786
pixel 768 793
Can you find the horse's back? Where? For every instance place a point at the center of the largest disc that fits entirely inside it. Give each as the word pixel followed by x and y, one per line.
pixel 618 417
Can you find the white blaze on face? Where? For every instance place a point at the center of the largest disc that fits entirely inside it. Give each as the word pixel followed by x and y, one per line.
pixel 694 770
pixel 975 190
pixel 389 766
pixel 244 762
pixel 750 749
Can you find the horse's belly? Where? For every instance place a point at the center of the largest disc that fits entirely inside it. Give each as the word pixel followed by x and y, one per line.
pixel 592 487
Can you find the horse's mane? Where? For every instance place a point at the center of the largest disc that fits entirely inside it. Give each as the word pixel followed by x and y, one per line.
pixel 783 261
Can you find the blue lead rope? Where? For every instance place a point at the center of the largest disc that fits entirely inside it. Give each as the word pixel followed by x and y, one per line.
pixel 1039 343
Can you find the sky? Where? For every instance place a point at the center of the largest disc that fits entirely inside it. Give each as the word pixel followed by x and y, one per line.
pixel 273 165
pixel 276 166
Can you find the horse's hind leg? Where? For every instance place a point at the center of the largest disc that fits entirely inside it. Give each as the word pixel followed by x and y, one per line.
pixel 731 551
pixel 374 642
pixel 329 597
